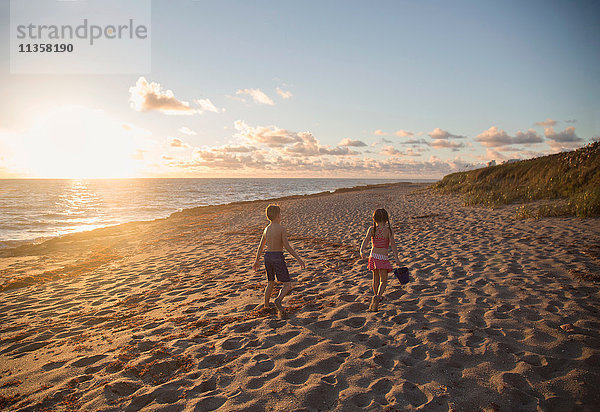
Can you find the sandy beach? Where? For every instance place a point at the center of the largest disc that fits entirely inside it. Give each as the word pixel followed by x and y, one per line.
pixel 162 315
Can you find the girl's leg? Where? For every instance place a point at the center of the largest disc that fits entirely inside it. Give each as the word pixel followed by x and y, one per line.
pixel 383 274
pixel 375 300
pixel 375 281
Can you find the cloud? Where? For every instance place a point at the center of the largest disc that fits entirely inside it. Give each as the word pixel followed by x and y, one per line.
pixel 416 142
pixel 238 149
pixel 567 135
pixel 571 121
pixel 215 159
pixel 403 133
pixel 563 140
pixel 286 94
pixel 288 142
pixel 177 143
pixel 207 106
pixel 494 137
pixel 446 144
pixel 308 145
pixel 186 130
pixel 379 132
pixel 390 151
pixel 381 140
pixel 257 163
pixel 257 95
pixel 352 143
pixel 438 133
pixel 528 137
pixel 271 136
pixel 146 96
pixel 546 123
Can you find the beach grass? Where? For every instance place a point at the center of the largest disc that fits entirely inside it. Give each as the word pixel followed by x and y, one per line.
pixel 562 184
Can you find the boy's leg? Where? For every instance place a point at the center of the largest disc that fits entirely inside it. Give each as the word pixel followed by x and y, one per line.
pixel 383 276
pixel 287 286
pixel 268 292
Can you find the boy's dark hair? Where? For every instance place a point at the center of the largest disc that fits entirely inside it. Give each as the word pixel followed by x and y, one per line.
pixel 273 211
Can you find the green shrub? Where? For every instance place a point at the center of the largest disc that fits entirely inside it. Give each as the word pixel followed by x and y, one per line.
pixel 573 176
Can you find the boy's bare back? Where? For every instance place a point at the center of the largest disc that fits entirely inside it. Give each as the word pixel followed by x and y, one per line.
pixel 274 237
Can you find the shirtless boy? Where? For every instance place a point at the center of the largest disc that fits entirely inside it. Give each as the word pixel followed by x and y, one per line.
pixel 274 238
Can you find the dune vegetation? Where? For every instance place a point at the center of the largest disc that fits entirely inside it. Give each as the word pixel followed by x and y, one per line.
pixel 562 184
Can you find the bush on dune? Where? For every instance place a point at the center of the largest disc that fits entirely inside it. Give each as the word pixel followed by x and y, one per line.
pixel 570 178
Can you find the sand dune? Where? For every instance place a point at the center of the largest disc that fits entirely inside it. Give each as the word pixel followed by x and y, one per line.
pixel 163 315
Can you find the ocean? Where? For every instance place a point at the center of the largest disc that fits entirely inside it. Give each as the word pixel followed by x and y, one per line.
pixel 35 209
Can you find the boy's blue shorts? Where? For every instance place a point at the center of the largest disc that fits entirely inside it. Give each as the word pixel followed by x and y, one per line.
pixel 275 265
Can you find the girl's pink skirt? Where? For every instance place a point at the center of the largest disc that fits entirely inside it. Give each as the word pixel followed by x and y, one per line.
pixel 377 261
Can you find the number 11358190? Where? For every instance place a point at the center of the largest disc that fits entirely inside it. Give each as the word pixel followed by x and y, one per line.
pixel 45 48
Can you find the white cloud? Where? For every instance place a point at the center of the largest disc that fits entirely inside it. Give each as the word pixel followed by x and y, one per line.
pixel 146 96
pixel 207 106
pixel 494 137
pixel 403 133
pixel 271 136
pixel 563 140
pixel 351 143
pixel 416 142
pixel 446 144
pixel 238 149
pixel 546 123
pixel 286 94
pixel 186 130
pixel 379 132
pixel 257 95
pixel 412 152
pixel 390 151
pixel 438 133
pixel 177 143
pixel 308 145
pixel 528 137
pixel 288 142
pixel 381 140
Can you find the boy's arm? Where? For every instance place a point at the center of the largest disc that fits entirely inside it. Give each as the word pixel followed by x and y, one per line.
pixel 290 249
pixel 365 240
pixel 261 246
pixel 394 248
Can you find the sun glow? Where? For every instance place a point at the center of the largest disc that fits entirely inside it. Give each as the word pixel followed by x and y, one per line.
pixel 79 142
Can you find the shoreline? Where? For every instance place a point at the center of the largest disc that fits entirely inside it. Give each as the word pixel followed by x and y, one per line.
pixel 18 244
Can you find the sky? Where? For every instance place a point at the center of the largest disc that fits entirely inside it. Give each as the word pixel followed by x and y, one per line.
pixel 382 89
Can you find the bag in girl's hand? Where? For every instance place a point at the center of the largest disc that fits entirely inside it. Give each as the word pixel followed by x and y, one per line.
pixel 402 275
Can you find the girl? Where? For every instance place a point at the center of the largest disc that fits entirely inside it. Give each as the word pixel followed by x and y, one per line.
pixel 381 235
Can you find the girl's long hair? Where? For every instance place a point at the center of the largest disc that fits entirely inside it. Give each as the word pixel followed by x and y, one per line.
pixel 381 215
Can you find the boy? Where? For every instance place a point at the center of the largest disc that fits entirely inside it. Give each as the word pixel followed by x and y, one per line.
pixel 274 237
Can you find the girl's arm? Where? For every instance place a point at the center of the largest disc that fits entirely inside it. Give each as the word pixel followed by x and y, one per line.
pixel 364 242
pixel 290 249
pixel 261 246
pixel 394 248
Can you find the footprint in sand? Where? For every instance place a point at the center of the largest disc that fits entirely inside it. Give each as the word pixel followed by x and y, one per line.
pixel 87 361
pixel 355 322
